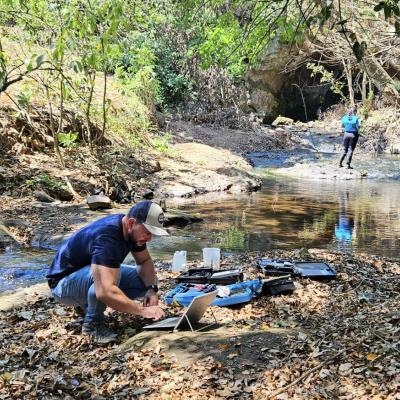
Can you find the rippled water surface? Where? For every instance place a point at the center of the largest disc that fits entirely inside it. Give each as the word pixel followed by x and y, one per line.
pixel 22 268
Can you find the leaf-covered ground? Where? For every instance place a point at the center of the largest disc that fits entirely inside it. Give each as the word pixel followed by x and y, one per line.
pixel 327 340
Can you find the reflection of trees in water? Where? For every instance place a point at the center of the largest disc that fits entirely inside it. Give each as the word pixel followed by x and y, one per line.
pixel 293 214
pixel 231 238
pixel 378 232
pixel 376 227
pixel 319 227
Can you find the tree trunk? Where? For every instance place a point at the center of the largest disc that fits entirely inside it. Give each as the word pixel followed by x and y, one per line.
pixel 379 77
pixel 92 77
pixel 348 71
pixel 60 122
pixel 364 88
pixel 52 128
pixel 103 129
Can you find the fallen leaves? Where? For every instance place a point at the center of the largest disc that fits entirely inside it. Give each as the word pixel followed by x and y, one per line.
pixel 372 356
pixel 326 340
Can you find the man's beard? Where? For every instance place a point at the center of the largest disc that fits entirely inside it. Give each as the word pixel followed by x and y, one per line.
pixel 133 239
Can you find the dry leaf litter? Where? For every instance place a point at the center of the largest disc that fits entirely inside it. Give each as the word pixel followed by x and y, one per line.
pixel 326 340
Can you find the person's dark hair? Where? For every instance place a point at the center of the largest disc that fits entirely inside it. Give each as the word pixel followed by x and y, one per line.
pixel 351 111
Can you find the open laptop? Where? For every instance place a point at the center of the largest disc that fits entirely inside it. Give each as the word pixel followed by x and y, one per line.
pixel 190 317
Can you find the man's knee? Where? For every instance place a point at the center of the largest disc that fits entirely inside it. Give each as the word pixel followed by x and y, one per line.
pixel 64 299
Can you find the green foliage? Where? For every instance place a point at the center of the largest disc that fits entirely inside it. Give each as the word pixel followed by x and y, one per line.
pixel 397 84
pixel 136 53
pixel 233 35
pixel 44 182
pixel 131 122
pixel 161 142
pixel 218 46
pixel 175 84
pixel 336 86
pixel 366 107
pixel 143 84
pixel 153 48
pixel 68 139
pixel 24 98
pixel 231 238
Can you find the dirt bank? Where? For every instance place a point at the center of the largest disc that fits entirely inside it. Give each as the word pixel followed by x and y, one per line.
pixel 183 168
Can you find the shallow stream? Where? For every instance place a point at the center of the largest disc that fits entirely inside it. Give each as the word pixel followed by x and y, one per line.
pixel 351 216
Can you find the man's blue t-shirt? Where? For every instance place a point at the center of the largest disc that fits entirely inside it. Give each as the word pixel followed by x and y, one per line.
pixel 101 242
pixel 351 124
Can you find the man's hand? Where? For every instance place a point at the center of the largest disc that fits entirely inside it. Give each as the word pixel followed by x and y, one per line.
pixel 153 312
pixel 150 298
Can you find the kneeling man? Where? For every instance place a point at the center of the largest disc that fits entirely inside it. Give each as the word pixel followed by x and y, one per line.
pixel 87 272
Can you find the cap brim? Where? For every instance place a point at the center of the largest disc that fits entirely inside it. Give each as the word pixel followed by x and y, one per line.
pixel 155 230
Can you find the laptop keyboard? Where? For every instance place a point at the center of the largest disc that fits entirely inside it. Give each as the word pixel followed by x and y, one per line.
pixel 166 322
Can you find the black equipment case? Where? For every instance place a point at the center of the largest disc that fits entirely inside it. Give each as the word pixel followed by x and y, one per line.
pixel 278 285
pixel 301 269
pixel 208 275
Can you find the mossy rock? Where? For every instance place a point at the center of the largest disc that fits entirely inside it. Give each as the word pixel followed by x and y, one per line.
pixel 282 121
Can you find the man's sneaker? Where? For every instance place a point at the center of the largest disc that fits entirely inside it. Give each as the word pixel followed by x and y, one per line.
pixel 79 311
pixel 99 332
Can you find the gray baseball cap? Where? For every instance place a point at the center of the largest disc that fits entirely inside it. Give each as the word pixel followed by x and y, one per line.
pixel 151 215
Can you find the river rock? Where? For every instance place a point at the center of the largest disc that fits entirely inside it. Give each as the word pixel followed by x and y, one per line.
pixel 180 220
pixel 98 202
pixel 321 172
pixel 178 190
pixel 7 239
pixel 43 196
pixel 57 193
pixel 153 166
pixel 282 121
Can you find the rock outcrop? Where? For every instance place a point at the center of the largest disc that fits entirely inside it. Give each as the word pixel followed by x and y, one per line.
pixel 203 169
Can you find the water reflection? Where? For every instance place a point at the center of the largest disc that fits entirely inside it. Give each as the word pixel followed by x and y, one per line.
pixel 344 215
pixel 348 216
pixel 345 225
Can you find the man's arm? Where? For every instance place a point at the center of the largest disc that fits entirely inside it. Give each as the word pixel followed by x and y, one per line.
pixel 145 267
pixel 147 272
pixel 109 293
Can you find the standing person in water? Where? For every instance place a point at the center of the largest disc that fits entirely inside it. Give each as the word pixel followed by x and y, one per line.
pixel 350 125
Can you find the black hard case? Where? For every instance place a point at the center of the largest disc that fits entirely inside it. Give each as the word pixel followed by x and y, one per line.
pixel 278 285
pixel 206 275
pixel 308 269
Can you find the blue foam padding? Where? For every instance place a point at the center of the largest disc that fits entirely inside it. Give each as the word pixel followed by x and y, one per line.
pixel 241 292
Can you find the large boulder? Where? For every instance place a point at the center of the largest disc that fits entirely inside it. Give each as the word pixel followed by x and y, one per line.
pixel 282 121
pixel 178 190
pixel 98 202
pixel 265 82
pixel 200 168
